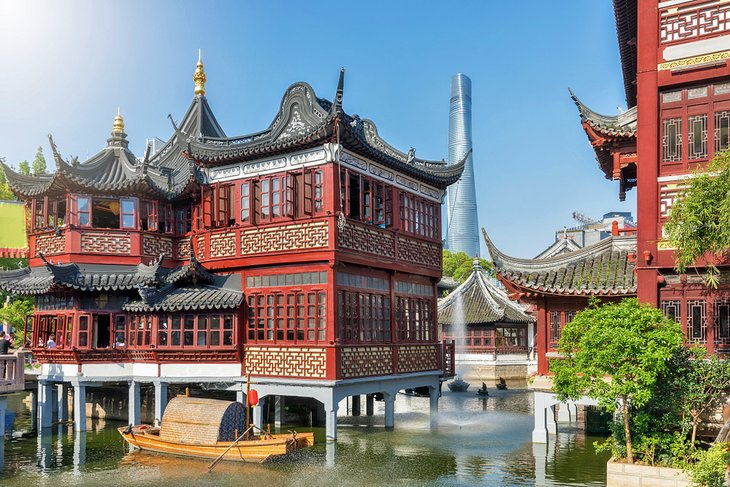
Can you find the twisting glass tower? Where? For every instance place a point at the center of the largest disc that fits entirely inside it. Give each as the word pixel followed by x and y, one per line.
pixel 463 226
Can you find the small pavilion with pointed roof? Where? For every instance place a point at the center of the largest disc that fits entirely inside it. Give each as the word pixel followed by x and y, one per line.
pixel 493 334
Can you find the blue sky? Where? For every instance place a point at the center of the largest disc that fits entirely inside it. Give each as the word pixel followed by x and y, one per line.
pixel 66 66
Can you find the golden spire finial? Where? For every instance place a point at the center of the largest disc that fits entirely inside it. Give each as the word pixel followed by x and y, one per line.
pixel 118 122
pixel 199 76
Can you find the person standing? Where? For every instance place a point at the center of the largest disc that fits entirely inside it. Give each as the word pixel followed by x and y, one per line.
pixel 5 345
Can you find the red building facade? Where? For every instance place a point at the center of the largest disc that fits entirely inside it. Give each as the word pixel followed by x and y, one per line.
pixel 309 250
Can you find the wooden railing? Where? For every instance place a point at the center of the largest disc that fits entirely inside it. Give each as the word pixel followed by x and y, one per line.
pixel 12 372
pixel 498 350
pixel 448 358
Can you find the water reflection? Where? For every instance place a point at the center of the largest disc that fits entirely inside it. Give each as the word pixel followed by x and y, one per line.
pixel 473 440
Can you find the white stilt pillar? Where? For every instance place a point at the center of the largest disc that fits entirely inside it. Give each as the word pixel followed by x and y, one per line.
pixel 62 402
pixel 566 412
pixel 330 411
pixel 241 397
pixel 160 401
pixel 539 432
pixel 45 404
pixel 79 407
pixel 433 394
pixel 135 403
pixel 278 411
pixel 389 411
pixel 550 424
pixel 258 415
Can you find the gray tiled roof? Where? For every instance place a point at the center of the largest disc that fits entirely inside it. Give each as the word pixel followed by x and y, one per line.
pixel 622 125
pixel 603 268
pixel 224 292
pixel 85 277
pixel 560 246
pixel 478 300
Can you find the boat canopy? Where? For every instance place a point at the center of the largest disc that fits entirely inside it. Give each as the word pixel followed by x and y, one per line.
pixel 199 421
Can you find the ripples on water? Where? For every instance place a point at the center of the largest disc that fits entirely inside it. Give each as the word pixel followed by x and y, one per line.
pixel 474 441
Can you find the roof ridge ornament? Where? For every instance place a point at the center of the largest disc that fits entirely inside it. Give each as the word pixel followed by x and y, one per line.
pixel 199 76
pixel 118 122
pixel 337 105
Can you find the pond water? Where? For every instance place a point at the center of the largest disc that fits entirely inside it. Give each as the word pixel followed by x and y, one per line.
pixel 474 441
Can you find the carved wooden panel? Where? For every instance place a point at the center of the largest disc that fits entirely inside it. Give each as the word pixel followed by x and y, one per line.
pixel 301 236
pixel 369 240
pixel 419 252
pixel 155 245
pixel 200 248
pixel 183 248
pixel 365 361
pixel 416 358
pixel 50 244
pixel 108 243
pixel 305 362
pixel 222 245
pixel 694 21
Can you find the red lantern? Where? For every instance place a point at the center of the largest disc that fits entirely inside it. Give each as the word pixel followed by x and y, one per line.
pixel 253 397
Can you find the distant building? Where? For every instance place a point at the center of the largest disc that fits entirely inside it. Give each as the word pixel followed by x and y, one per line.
pixel 462 222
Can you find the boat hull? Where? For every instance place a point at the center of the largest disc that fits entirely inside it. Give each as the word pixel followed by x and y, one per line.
pixel 257 451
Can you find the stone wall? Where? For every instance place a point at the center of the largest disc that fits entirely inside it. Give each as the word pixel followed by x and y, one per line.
pixel 628 475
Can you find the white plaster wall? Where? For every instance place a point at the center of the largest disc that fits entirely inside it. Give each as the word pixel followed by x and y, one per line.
pixel 200 370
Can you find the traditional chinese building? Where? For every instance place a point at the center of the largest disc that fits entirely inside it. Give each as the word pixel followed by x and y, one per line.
pixel 555 288
pixel 305 255
pixel 679 88
pixel 493 334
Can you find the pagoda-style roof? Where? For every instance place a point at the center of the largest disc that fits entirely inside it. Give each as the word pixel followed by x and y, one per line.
pixel 612 127
pixel 603 268
pixel 221 292
pixel 303 121
pixel 626 26
pixel 477 301
pixel 114 170
pixel 562 245
pixel 84 277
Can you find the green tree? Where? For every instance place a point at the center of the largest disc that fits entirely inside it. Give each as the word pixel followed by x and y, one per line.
pixel 615 354
pixel 13 310
pixel 24 168
pixel 459 265
pixel 39 163
pixel 5 192
pixel 699 223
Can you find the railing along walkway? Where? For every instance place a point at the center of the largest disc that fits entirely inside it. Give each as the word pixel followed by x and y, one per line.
pixel 12 372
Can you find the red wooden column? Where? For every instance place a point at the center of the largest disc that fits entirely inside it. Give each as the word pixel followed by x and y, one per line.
pixel 542 336
pixel 647 149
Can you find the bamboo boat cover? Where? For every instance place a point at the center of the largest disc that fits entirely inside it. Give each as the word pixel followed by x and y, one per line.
pixel 199 421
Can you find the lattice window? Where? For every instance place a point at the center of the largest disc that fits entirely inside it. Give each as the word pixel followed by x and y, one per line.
pixel 555 328
pixel 671 310
pixel 722 323
pixel 722 130
pixel 696 321
pixel 672 140
pixel 697 135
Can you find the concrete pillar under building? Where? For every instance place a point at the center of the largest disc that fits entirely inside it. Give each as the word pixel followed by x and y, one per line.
pixel 45 404
pixel 241 397
pixel 567 412
pixel 160 401
pixel 33 409
pixel 389 411
pixel 369 405
pixel 62 402
pixel 278 411
pixel 433 395
pixel 550 423
pixel 258 416
pixel 79 407
pixel 135 403
pixel 356 405
pixel 330 410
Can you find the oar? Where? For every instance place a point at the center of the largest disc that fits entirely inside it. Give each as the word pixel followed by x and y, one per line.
pixel 217 460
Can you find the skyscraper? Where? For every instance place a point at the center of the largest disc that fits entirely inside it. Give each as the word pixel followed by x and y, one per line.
pixel 463 225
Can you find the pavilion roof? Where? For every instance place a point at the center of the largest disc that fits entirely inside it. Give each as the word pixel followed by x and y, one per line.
pixel 562 245
pixel 85 277
pixel 305 120
pixel 603 268
pixel 478 300
pixel 221 292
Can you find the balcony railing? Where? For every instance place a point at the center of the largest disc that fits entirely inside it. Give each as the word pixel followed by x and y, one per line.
pixel 12 373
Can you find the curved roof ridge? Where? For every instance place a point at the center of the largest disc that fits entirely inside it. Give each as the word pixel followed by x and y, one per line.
pixel 624 122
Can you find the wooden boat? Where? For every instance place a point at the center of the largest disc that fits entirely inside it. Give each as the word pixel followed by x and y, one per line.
pixel 208 428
